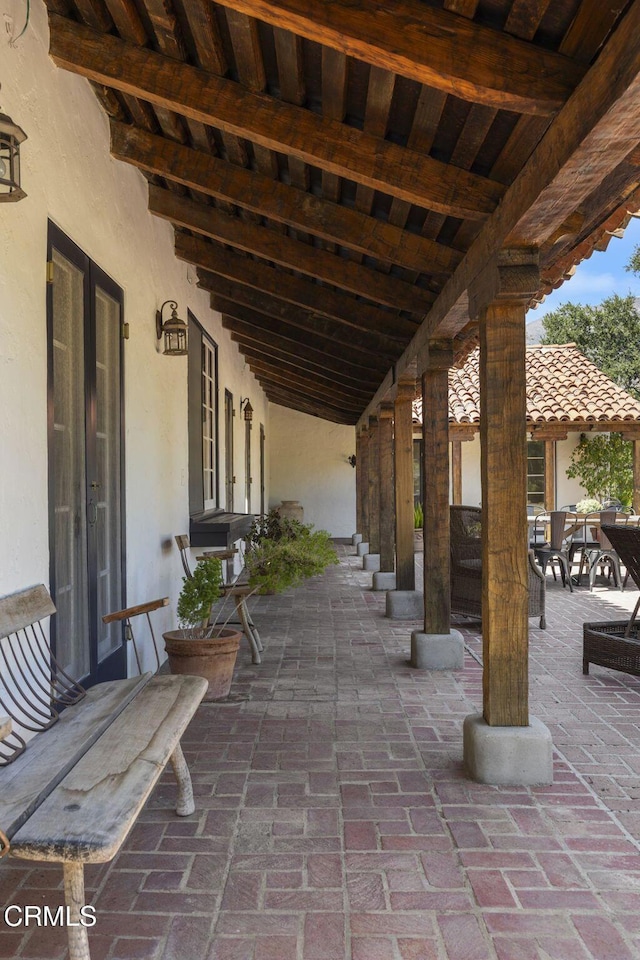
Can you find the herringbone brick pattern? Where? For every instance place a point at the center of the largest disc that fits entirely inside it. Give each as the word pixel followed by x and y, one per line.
pixel 334 820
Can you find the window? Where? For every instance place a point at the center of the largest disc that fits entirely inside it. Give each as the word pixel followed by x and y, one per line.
pixel 209 424
pixel 535 472
pixel 203 419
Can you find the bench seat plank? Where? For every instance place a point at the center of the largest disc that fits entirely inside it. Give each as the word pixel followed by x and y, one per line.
pixel 89 814
pixel 53 752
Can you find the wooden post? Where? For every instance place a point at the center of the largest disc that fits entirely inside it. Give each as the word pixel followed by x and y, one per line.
pixel 435 491
pixel 359 505
pixel 374 486
pixel 456 471
pixel 550 474
pixel 507 286
pixel 386 493
pixel 403 474
pixel 362 466
pixel 636 476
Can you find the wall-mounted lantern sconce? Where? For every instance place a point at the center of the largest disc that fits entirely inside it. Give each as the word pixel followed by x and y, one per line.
pixel 174 331
pixel 248 409
pixel 352 460
pixel 11 136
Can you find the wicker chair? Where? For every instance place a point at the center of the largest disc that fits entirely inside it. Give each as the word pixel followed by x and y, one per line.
pixel 466 567
pixel 616 643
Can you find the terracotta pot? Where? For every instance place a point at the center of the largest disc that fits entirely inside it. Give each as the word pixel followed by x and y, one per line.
pixel 292 509
pixel 213 658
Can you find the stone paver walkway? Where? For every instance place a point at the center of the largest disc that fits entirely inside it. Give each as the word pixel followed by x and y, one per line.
pixel 334 820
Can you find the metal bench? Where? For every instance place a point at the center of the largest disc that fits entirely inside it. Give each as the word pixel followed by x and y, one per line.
pixel 76 766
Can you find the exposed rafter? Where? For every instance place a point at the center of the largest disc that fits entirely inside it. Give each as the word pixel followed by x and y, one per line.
pixel 280 202
pixel 286 252
pixel 271 123
pixel 295 290
pixel 593 132
pixel 349 337
pixel 431 46
pixel 319 349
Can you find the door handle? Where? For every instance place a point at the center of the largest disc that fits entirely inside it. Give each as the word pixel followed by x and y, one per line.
pixel 92 513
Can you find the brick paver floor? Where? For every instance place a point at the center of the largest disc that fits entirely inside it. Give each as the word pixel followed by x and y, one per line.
pixel 335 822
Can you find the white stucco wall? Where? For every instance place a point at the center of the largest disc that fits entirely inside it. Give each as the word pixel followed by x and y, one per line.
pixel 309 464
pixel 567 491
pixel 101 205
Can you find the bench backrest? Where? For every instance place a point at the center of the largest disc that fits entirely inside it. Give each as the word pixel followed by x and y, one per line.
pixel 33 686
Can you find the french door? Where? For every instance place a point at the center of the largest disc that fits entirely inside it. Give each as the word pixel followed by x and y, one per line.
pixel 85 434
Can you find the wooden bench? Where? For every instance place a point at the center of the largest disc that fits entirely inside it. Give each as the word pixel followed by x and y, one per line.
pixel 238 589
pixel 72 792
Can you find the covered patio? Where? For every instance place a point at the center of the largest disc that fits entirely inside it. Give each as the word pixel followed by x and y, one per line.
pixel 334 820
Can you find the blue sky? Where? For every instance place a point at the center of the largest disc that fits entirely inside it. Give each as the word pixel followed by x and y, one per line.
pixel 599 277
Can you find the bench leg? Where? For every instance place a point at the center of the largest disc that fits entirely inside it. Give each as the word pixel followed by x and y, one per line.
pixel 241 608
pixel 74 898
pixel 185 804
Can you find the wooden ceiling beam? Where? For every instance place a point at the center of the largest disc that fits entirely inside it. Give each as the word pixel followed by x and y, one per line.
pixel 331 380
pixel 291 357
pixel 589 137
pixel 342 331
pixel 306 387
pixel 296 290
pixel 313 324
pixel 290 341
pixel 279 126
pixel 277 201
pixel 311 398
pixel 289 253
pixel 311 409
pixel 431 46
pixel 318 348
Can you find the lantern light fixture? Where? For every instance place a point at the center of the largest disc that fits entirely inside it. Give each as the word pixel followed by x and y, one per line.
pixel 11 136
pixel 248 409
pixel 174 331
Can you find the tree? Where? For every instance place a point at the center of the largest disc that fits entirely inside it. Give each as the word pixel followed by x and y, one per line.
pixel 608 334
pixel 604 466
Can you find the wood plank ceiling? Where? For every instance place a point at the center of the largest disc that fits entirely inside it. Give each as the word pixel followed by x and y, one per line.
pixel 339 172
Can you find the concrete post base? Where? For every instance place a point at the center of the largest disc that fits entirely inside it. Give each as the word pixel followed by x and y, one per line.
pixel 384 581
pixel 437 651
pixel 405 605
pixel 356 538
pixel 507 756
pixel 371 561
pixel 362 548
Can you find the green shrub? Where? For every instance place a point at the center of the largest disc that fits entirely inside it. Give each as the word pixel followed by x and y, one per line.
pixel 199 593
pixel 282 553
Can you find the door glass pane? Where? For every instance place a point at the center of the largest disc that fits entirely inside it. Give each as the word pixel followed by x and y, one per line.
pixel 69 477
pixel 228 442
pixel 209 439
pixel 105 486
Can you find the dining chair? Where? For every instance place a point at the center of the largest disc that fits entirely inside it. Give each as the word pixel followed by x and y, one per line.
pixel 561 525
pixel 603 551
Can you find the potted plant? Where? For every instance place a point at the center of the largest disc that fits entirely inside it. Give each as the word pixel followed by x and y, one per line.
pixel 282 552
pixel 199 647
pixel 418 527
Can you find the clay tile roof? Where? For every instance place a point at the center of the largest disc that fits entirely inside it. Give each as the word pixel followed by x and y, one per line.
pixel 562 386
